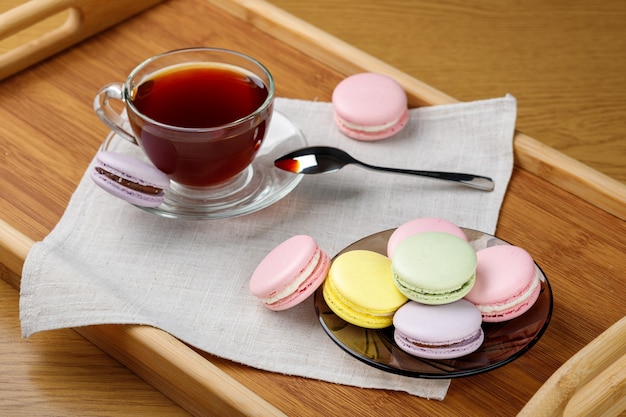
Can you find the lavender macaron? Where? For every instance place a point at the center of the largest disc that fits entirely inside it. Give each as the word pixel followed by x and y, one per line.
pixel 443 331
pixel 129 179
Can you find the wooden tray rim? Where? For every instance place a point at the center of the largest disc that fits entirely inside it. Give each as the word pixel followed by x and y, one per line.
pixel 187 377
pixel 567 173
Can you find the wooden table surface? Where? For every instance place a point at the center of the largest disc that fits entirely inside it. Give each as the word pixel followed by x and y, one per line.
pixel 565 62
pixel 50 128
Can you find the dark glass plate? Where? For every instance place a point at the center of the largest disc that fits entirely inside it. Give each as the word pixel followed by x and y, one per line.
pixel 504 342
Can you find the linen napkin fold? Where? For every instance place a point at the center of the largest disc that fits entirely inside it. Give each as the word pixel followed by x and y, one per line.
pixel 109 262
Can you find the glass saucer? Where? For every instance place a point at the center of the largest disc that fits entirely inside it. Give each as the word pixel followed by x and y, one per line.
pixel 259 186
pixel 504 342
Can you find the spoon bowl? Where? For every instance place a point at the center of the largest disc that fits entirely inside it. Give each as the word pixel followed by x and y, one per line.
pixel 319 159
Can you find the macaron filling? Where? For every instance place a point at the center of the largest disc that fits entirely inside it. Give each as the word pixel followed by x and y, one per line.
pixel 427 294
pixel 142 188
pixel 507 305
pixel 299 282
pixel 443 331
pixel 514 308
pixel 476 337
pixel 371 128
pixel 507 283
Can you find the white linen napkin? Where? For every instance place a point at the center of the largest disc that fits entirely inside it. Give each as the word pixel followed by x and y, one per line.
pixel 109 262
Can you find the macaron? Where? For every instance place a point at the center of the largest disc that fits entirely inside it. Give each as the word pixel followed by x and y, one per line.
pixel 369 106
pixel 507 283
pixel 434 267
pixel 421 225
pixel 360 290
pixel 130 179
pixel 444 331
pixel 290 273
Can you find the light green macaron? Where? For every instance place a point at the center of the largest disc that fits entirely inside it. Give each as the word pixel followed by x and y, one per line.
pixel 434 267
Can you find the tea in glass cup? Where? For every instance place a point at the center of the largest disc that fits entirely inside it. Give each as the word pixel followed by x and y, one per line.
pixel 200 115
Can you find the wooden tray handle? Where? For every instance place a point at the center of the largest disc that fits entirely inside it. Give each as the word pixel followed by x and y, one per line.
pixel 604 395
pixel 193 382
pixel 84 19
pixel 592 382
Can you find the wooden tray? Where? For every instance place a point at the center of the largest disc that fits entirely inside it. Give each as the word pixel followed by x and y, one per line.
pixel 88 17
pixel 549 193
pixel 71 21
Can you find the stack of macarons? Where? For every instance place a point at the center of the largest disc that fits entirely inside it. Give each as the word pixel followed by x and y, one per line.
pixel 435 267
pixel 453 288
pixel 432 286
pixel 504 283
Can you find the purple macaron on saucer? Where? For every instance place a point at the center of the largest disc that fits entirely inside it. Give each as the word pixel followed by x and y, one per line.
pixel 129 179
pixel 263 186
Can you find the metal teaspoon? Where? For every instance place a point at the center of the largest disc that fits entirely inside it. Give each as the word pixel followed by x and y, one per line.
pixel 318 159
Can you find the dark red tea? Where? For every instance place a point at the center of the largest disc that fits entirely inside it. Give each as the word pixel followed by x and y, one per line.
pixel 197 97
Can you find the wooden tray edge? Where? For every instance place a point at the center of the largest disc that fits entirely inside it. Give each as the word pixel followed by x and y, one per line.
pixel 575 177
pixel 202 387
pixel 85 19
pixel 172 367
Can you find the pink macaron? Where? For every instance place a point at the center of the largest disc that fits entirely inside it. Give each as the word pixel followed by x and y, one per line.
pixel 443 331
pixel 507 283
pixel 369 106
pixel 421 225
pixel 290 273
pixel 130 179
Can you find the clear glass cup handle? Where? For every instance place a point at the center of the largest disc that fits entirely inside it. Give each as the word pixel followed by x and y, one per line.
pixel 105 112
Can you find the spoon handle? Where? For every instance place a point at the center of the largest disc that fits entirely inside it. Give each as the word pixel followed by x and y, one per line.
pixel 470 180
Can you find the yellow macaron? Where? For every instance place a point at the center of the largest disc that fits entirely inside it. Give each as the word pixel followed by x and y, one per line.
pixel 359 289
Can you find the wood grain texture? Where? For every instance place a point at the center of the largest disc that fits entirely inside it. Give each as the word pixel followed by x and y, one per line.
pixel 592 382
pixel 53 133
pixel 64 23
pixel 540 159
pixel 61 374
pixel 564 61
